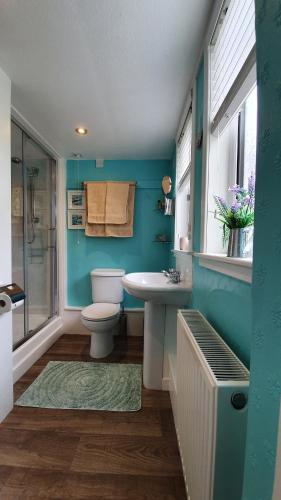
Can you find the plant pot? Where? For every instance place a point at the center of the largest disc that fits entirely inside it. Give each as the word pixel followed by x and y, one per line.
pixel 238 242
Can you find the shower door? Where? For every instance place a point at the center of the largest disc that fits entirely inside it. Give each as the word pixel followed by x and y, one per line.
pixel 33 234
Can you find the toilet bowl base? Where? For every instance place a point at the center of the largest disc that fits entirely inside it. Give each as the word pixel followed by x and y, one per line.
pixel 101 344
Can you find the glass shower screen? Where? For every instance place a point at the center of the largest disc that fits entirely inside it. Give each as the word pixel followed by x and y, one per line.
pixel 33 234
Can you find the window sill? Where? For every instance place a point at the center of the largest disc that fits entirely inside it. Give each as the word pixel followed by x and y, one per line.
pixel 240 269
pixel 181 252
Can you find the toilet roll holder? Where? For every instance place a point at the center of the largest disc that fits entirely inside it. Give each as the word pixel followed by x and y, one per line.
pixel 11 297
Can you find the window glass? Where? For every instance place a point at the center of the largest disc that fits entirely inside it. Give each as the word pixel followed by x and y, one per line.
pixel 250 144
pixel 232 159
pixel 183 165
pixel 182 212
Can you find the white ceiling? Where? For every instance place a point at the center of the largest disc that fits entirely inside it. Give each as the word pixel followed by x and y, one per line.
pixel 121 68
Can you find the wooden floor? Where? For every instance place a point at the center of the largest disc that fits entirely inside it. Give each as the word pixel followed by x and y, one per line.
pixel 66 454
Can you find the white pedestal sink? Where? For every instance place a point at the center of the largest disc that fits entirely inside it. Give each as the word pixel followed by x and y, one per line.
pixel 157 292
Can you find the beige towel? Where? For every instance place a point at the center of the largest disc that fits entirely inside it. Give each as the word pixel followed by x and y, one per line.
pixel 124 230
pixel 115 230
pixel 116 205
pixel 97 230
pixel 95 202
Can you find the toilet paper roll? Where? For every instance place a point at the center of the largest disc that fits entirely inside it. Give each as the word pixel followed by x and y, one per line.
pixel 184 243
pixel 5 303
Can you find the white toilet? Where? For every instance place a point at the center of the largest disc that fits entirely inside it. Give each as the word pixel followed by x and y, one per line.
pixel 102 317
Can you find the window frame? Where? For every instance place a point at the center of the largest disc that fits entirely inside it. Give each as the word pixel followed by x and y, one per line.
pixel 237 268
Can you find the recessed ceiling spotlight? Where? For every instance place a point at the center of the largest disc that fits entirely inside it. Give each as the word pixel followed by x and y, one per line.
pixel 76 155
pixel 81 131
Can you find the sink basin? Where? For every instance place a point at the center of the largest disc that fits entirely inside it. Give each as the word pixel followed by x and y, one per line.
pixel 159 296
pixel 155 287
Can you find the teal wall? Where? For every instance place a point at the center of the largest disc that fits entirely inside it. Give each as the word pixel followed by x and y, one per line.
pixel 265 382
pixel 138 253
pixel 225 301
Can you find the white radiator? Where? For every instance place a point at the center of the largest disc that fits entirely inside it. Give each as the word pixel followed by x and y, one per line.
pixel 212 392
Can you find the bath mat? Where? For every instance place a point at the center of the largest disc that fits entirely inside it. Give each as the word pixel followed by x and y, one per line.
pixel 86 386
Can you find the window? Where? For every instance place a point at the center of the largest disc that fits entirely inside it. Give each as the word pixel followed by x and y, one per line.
pixel 232 111
pixel 183 168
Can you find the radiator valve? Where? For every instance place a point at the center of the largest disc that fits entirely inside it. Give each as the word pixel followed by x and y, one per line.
pixel 238 400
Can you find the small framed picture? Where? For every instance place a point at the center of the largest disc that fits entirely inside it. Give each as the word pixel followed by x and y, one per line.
pixel 75 199
pixel 76 219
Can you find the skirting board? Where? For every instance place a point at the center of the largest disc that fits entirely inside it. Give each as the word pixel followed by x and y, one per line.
pixel 72 321
pixel 165 384
pixel 29 352
pixel 173 397
pixel 173 388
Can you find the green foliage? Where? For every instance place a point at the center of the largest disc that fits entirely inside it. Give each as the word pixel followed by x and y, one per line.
pixel 240 213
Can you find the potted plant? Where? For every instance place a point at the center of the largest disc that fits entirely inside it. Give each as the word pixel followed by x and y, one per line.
pixel 237 217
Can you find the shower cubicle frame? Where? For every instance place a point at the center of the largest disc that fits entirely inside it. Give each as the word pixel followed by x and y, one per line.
pixel 52 237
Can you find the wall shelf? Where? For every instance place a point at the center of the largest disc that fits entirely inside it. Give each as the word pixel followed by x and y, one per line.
pixel 160 207
pixel 164 241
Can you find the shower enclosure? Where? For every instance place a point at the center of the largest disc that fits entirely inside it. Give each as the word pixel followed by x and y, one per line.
pixel 33 234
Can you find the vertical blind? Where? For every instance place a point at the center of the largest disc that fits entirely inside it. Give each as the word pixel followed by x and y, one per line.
pixel 183 160
pixel 231 47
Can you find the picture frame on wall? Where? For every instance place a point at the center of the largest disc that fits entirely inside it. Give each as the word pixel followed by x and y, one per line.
pixel 76 219
pixel 75 199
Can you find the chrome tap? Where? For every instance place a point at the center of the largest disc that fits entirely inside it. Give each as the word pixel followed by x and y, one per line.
pixel 173 275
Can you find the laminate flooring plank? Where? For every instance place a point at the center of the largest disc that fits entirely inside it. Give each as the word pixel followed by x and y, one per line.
pixel 127 455
pixel 39 450
pixel 34 484
pixel 91 422
pixel 116 487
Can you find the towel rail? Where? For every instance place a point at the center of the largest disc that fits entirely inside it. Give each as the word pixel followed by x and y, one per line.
pixel 141 184
pixel 131 183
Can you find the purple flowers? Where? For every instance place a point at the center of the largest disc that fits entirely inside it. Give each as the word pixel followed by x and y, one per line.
pixel 249 201
pixel 237 189
pixel 235 206
pixel 222 202
pixel 251 185
pixel 239 213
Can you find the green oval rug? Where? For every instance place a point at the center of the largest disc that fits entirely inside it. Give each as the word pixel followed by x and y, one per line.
pixel 86 386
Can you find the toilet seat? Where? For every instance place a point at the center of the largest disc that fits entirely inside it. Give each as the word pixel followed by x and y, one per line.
pixel 100 311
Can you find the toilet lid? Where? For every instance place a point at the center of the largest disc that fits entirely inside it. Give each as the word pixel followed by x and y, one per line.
pixel 100 311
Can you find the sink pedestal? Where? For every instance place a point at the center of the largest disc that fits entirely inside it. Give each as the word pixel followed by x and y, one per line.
pixel 154 333
pixel 159 294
